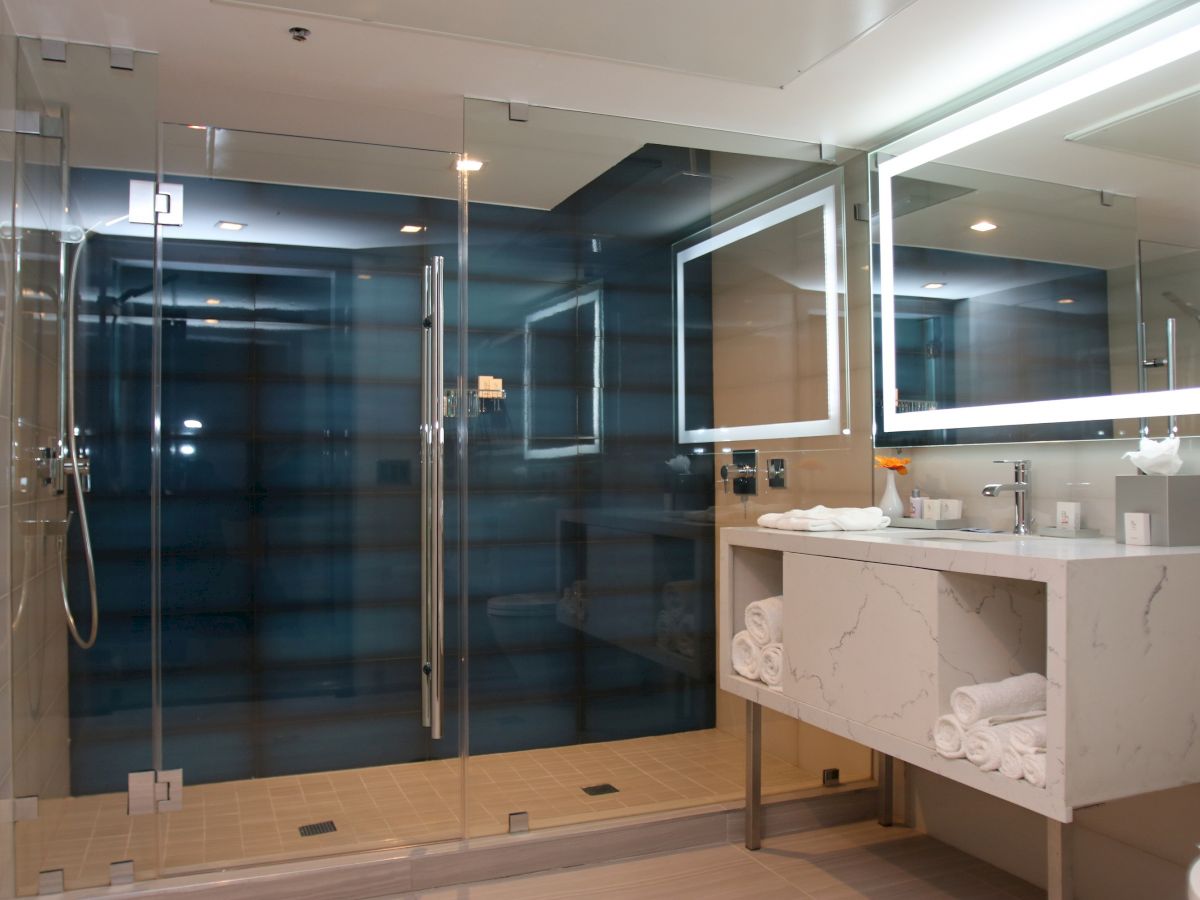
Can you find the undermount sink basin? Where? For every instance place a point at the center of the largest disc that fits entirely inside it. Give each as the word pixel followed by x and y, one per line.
pixel 964 537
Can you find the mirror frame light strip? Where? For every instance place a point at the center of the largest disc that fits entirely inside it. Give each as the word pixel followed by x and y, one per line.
pixel 1148 51
pixel 824 193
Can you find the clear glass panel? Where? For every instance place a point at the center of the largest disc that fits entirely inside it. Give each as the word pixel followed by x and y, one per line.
pixel 81 717
pixel 592 528
pixel 292 320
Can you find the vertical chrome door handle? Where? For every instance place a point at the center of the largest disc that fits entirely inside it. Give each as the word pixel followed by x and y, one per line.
pixel 433 588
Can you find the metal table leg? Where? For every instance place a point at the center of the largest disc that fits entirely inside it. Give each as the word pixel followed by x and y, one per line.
pixel 1059 880
pixel 887 790
pixel 753 776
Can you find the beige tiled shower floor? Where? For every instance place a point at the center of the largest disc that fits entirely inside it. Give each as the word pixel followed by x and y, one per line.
pixel 257 820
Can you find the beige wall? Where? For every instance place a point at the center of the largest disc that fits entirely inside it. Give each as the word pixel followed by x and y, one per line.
pixel 832 471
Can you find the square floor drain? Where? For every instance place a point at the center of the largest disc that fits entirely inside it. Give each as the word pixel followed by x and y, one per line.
pixel 596 790
pixel 317 828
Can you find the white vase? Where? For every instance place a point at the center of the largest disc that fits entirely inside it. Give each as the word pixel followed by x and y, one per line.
pixel 890 503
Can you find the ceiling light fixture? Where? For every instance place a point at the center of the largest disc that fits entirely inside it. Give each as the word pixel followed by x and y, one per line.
pixel 412 229
pixel 198 127
pixel 984 225
pixel 230 226
pixel 213 301
pixel 364 277
pixel 212 321
pixel 1066 300
pixel 192 423
pixel 466 164
pixel 933 285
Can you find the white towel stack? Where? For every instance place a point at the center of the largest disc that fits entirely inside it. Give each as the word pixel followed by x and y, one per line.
pixel 825 518
pixel 757 651
pixel 676 626
pixel 998 726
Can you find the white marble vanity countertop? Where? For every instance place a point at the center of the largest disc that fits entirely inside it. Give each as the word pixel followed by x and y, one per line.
pixel 1005 555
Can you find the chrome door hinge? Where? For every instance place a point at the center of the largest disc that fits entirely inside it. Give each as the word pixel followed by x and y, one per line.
pixel 155 792
pixel 153 203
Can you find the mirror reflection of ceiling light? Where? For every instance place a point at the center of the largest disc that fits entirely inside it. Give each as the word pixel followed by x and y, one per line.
pixel 1066 300
pixel 213 301
pixel 466 164
pixel 933 285
pixel 198 127
pixel 192 423
pixel 212 321
pixel 984 225
pixel 411 229
pixel 364 277
pixel 230 226
pixel 187 450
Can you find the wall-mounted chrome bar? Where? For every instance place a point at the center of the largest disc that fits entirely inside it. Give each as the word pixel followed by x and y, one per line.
pixel 1172 421
pixel 433 588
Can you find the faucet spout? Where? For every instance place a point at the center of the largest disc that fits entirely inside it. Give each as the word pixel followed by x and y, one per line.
pixel 1019 488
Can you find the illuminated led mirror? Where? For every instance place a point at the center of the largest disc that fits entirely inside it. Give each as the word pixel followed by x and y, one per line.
pixel 760 298
pixel 1008 281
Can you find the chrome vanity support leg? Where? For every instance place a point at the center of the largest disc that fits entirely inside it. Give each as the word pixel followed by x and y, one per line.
pixel 887 790
pixel 1059 880
pixel 753 776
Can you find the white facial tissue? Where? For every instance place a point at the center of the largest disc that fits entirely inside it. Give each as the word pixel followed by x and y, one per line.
pixel 1157 457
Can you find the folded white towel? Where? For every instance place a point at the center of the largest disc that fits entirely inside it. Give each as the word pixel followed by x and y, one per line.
pixel 764 621
pixel 746 656
pixel 984 744
pixel 1034 767
pixel 772 666
pixel 825 518
pixel 1012 696
pixel 1030 735
pixel 1012 763
pixel 948 736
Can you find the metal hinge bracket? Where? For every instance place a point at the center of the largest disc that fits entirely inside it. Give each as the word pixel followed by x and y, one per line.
pixel 155 792
pixel 155 204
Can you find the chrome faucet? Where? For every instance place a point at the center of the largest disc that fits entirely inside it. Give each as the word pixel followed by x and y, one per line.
pixel 1020 491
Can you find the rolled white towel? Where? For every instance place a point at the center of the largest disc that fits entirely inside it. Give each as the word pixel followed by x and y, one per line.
pixel 772 666
pixel 764 621
pixel 985 743
pixel 679 597
pixel 1012 696
pixel 1012 763
pixel 1034 767
pixel 746 656
pixel 948 736
pixel 665 629
pixel 685 637
pixel 1030 735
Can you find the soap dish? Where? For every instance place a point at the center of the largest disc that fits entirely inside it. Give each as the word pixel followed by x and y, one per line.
pixel 932 524
pixel 1050 531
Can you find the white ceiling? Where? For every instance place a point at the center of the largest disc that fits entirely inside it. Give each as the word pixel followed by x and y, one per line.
pixel 236 66
pixel 761 42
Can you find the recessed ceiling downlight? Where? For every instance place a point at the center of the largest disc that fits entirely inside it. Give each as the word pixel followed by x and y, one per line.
pixel 984 225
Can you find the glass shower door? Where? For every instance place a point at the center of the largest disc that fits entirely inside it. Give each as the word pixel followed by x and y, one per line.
pixel 299 622
pixel 81 700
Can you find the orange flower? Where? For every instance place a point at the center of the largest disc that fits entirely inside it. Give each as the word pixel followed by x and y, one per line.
pixel 895 463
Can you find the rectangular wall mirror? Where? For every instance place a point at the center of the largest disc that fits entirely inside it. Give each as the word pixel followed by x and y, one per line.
pixel 765 292
pixel 1035 251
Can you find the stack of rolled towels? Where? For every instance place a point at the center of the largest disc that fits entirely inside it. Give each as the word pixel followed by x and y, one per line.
pixel 676 627
pixel 998 726
pixel 757 651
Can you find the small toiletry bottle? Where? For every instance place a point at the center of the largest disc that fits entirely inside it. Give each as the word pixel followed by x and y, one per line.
pixel 915 503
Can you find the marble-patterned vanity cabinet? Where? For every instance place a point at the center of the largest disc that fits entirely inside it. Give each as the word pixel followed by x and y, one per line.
pixel 880 627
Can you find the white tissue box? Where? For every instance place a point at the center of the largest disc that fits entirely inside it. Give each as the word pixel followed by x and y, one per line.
pixel 1173 502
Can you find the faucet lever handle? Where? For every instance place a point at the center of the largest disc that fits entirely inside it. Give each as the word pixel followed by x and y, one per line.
pixel 1012 462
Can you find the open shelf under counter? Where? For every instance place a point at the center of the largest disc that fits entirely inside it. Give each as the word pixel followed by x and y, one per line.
pixel 880 627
